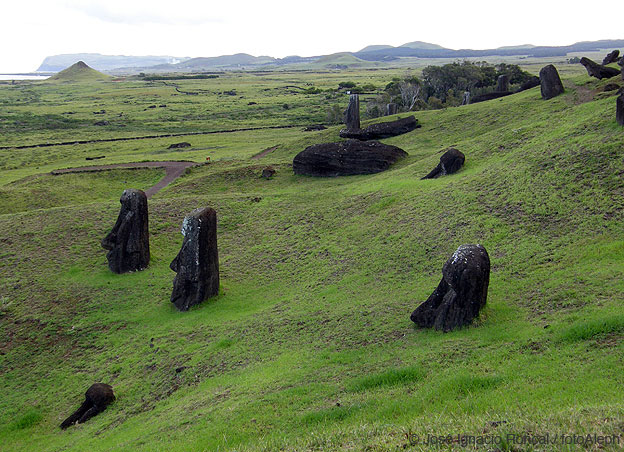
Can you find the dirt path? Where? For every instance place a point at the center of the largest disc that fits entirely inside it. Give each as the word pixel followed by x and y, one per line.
pixel 263 153
pixel 173 170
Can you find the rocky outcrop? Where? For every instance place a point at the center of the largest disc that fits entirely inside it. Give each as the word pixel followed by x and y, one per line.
pixel 611 57
pixel 461 294
pixel 197 263
pixel 346 158
pixel 598 70
pixel 97 398
pixel 128 242
pixel 383 129
pixel 352 113
pixel 450 162
pixel 550 82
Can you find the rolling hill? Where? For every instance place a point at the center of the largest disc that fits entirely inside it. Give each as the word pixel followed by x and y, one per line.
pixel 78 72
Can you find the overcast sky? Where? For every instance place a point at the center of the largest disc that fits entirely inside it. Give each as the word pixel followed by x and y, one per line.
pixel 30 30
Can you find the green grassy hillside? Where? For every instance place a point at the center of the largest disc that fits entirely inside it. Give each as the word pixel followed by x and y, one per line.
pixel 78 72
pixel 309 345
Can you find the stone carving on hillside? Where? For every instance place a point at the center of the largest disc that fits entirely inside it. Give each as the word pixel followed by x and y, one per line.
pixel 598 70
pixel 197 263
pixel 346 158
pixel 97 398
pixel 382 130
pixel 611 57
pixel 392 109
pixel 619 108
pixel 450 162
pixel 128 242
pixel 550 82
pixel 502 84
pixel 461 294
pixel 352 113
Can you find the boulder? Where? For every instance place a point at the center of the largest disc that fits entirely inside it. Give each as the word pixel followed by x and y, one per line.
pixel 502 84
pixel 450 162
pixel 128 242
pixel 489 96
pixel 598 70
pixel 101 123
pixel 550 82
pixel 268 172
pixel 530 83
pixel 619 109
pixel 461 294
pixel 181 145
pixel 97 398
pixel 392 109
pixel 352 113
pixel 383 129
pixel 314 127
pixel 197 263
pixel 346 158
pixel 611 57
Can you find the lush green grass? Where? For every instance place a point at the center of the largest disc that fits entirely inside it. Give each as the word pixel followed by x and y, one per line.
pixel 309 346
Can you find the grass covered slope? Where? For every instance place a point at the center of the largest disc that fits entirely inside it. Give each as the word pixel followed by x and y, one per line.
pixel 309 346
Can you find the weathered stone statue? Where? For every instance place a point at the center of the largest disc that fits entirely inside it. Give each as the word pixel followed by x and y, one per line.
pixel 382 130
pixel 128 242
pixel 352 113
pixel 611 57
pixel 503 83
pixel 450 162
pixel 598 70
pixel 619 109
pixel 97 398
pixel 550 82
pixel 466 98
pixel 392 109
pixel 461 294
pixel 197 263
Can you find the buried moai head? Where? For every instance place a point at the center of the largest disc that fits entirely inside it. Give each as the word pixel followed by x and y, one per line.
pixel 97 398
pixel 128 242
pixel 352 113
pixel 461 294
pixel 550 82
pixel 197 263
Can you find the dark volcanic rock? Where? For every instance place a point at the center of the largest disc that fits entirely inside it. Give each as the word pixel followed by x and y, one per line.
pixel 450 162
pixel 611 57
pixel 128 242
pixel 489 96
pixel 352 113
pixel 502 84
pixel 197 263
pixel 97 398
pixel 597 70
pixel 383 129
pixel 268 172
pixel 182 145
pixel 461 294
pixel 346 158
pixel 530 83
pixel 550 82
pixel 101 123
pixel 611 87
pixel 619 109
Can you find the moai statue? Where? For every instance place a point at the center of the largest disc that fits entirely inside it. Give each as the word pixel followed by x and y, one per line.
pixel 619 108
pixel 391 109
pixel 197 263
pixel 466 98
pixel 550 82
pixel 503 83
pixel 352 113
pixel 128 242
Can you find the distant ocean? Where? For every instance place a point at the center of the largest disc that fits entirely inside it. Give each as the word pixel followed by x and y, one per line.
pixel 22 77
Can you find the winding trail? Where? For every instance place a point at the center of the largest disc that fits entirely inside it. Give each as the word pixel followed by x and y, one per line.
pixel 173 170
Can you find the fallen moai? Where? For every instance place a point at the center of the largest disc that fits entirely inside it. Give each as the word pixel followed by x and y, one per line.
pixel 97 398
pixel 450 162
